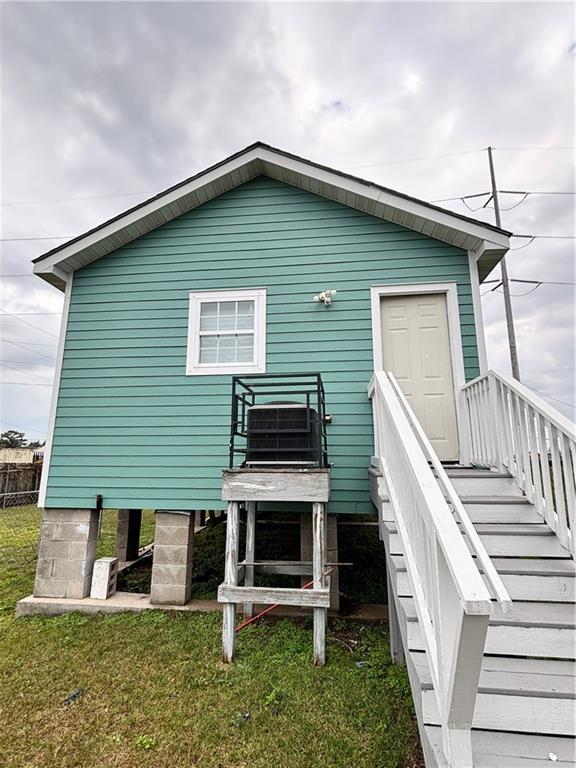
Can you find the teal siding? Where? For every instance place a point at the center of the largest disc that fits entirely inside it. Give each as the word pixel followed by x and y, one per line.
pixel 133 427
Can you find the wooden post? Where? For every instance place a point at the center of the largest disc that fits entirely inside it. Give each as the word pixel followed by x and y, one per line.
pixel 128 534
pixel 318 569
pixel 396 648
pixel 230 579
pixel 250 552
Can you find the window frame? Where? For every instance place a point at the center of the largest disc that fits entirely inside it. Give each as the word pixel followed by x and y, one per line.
pixel 195 301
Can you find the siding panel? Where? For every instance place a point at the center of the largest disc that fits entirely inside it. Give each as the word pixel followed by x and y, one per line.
pixel 130 425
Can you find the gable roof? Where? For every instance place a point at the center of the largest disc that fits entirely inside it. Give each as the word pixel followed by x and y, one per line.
pixel 487 241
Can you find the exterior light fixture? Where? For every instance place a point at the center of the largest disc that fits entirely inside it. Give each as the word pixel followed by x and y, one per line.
pixel 325 297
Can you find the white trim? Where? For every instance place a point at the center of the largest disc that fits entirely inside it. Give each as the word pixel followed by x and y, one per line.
pixel 450 289
pixel 478 317
pixel 55 392
pixel 258 296
pixel 386 204
pixel 410 206
pixel 164 201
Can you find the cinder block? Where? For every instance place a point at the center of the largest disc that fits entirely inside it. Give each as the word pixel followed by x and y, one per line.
pixel 173 536
pixel 170 574
pixel 44 568
pixel 49 531
pixel 72 531
pixel 104 578
pixel 170 594
pixel 66 553
pixel 78 589
pixel 174 517
pixel 49 587
pixel 166 555
pixel 69 570
pixel 68 515
pixel 50 549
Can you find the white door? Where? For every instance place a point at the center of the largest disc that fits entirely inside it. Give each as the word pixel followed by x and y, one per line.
pixel 416 348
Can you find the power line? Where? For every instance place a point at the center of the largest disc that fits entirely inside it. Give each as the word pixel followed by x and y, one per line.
pixel 23 429
pixel 5 312
pixel 35 313
pixel 416 159
pixel 529 149
pixel 550 397
pixel 19 362
pixel 16 344
pixel 72 199
pixel 4 364
pixel 24 384
pixel 35 344
pixel 502 192
pixel 25 239
pixel 68 237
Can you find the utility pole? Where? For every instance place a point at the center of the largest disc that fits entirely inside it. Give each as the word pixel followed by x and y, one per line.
pixel 505 283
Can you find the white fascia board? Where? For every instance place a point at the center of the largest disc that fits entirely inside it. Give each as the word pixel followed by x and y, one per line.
pixel 369 192
pixel 488 239
pixel 132 218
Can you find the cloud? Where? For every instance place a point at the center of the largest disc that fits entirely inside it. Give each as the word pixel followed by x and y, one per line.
pixel 100 98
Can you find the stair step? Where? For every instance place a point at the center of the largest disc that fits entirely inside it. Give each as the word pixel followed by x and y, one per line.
pixel 550 678
pixel 475 472
pixel 522 566
pixel 523 714
pixel 490 484
pixel 509 514
pixel 536 642
pixel 538 543
pixel 557 587
pixel 503 513
pixel 520 613
pixel 493 749
pixel 492 498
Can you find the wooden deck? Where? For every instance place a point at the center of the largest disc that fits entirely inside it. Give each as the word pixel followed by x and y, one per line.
pixel 525 712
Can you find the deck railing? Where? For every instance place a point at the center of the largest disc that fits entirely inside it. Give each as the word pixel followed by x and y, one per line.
pixel 452 601
pixel 513 429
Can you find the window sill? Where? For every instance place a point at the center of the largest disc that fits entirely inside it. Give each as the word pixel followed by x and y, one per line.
pixel 225 370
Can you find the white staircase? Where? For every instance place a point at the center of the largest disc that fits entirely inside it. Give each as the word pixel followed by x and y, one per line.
pixel 519 668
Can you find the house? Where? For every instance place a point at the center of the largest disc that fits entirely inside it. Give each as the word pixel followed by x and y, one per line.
pixel 18 455
pixel 217 278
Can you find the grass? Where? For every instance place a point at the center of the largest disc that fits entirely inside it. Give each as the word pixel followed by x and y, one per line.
pixel 150 689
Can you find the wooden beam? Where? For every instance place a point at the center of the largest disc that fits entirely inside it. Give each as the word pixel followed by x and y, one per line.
pixel 310 598
pixel 250 552
pixel 230 578
pixel 309 485
pixel 319 542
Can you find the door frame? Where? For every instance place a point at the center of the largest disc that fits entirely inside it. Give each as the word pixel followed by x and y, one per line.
pixel 450 290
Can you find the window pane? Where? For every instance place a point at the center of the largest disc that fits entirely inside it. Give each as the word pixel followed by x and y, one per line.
pixel 209 316
pixel 209 349
pixel 245 349
pixel 227 349
pixel 245 320
pixel 227 316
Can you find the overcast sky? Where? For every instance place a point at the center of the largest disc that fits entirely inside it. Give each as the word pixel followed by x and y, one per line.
pixel 115 98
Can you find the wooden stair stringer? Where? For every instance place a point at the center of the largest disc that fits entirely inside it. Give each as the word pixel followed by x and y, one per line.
pixel 527 689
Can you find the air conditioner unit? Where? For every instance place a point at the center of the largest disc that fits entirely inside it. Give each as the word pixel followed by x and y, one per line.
pixel 282 433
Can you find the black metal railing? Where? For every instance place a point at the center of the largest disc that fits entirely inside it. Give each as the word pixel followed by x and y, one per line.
pixel 277 432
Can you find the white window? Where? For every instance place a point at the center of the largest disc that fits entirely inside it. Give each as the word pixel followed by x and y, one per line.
pixel 227 332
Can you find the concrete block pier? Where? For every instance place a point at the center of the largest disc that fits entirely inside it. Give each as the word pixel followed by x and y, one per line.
pixel 173 553
pixel 67 552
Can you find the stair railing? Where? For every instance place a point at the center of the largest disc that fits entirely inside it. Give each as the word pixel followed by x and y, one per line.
pixel 452 601
pixel 512 428
pixel 478 549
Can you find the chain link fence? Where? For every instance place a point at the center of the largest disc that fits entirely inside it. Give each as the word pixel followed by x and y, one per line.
pixel 19 514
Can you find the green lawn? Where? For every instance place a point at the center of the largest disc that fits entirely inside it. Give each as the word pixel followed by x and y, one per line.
pixel 155 692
